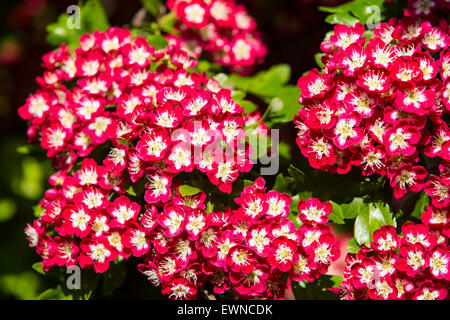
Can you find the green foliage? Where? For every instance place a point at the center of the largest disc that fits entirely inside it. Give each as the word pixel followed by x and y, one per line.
pixel 8 209
pixel 318 289
pixel 421 205
pixel 272 87
pixel 353 246
pixel 89 282
pixel 92 17
pixel 186 190
pixel 355 11
pixel 352 209
pixel 158 41
pixel 370 218
pixel 38 268
pixel 29 183
pixel 336 215
pixel 23 285
pixel 152 6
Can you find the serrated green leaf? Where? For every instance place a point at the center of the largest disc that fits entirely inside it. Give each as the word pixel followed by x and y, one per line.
pixel 351 210
pixel 353 246
pixel 336 215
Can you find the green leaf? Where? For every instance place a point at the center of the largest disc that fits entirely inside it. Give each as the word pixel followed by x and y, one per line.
pixel 353 246
pixel 209 207
pixel 248 183
pixel 21 286
pixel 264 83
pixel 351 210
pixel 37 210
pixel 186 190
pixel 28 148
pixel 158 41
pixel 336 215
pixel 421 204
pixel 56 293
pixel 38 268
pixel 341 18
pixel 289 96
pixel 92 17
pixel 167 23
pixel 361 228
pixel 316 290
pixel 271 85
pixel 203 66
pixel 284 149
pixel 379 215
pixel 370 218
pixel 153 6
pixel 298 175
pixel 8 209
pixel 337 280
pixel 247 105
pixel 260 143
pixel 114 277
pixel 282 183
pixel 237 95
pixel 131 191
pixel 318 57
pixel 302 182
pixel 354 11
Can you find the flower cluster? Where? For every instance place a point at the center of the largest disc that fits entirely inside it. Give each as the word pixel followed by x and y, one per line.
pixel 220 27
pixel 242 252
pixel 413 266
pixel 378 100
pixel 155 117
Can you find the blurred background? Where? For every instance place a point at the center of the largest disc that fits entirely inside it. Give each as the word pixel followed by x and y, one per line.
pixel 291 29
